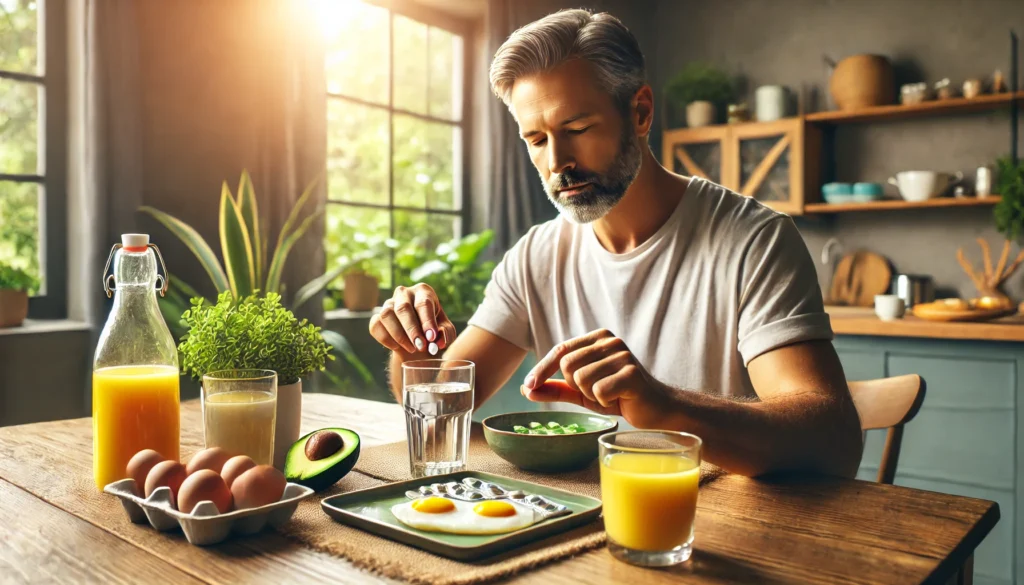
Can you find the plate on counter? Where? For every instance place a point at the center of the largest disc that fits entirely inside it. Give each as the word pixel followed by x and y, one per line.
pixel 962 310
pixel 370 510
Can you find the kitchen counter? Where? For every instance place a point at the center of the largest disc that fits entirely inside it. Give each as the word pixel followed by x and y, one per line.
pixel 862 321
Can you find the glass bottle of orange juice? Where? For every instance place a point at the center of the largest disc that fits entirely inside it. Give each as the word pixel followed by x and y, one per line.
pixel 135 401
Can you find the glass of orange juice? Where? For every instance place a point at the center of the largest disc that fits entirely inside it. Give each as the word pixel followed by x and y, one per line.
pixel 649 490
pixel 240 412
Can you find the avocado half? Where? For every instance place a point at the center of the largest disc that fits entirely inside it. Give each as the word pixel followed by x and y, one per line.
pixel 321 473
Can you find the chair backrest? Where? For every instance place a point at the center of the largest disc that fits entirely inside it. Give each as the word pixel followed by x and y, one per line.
pixel 888 403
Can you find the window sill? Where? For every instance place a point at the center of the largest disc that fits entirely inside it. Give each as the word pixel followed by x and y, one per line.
pixel 44 326
pixel 346 315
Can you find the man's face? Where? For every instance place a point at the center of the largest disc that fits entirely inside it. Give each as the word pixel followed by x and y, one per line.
pixel 582 144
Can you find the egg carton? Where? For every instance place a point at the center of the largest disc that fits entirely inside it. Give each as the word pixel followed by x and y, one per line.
pixel 205 525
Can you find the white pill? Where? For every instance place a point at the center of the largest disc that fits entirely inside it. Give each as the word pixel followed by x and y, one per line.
pixel 432 348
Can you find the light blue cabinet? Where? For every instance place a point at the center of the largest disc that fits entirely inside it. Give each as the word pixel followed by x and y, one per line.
pixel 966 440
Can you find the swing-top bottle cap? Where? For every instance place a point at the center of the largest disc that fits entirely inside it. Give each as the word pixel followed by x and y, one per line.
pixel 135 242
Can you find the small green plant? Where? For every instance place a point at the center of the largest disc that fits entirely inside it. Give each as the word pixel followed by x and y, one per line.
pixel 250 333
pixel 17 279
pixel 700 82
pixel 453 270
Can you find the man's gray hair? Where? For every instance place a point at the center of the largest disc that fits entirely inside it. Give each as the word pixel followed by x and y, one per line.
pixel 601 39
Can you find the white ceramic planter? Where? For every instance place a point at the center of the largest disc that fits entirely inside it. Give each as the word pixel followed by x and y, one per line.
pixel 700 113
pixel 289 419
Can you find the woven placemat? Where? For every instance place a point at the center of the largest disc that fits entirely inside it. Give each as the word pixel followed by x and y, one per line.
pixel 388 463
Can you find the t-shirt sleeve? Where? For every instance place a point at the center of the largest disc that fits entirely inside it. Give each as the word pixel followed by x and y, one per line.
pixel 780 302
pixel 503 311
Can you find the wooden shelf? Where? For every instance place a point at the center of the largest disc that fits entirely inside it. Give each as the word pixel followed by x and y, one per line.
pixel 899 204
pixel 929 108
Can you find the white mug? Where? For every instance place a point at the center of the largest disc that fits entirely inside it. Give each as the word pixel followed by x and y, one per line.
pixel 889 307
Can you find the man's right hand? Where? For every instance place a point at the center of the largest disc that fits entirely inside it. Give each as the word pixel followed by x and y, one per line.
pixel 412 320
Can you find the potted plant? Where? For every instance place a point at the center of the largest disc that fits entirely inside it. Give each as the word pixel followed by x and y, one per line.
pixel 247 266
pixel 1009 219
pixel 254 332
pixel 453 269
pixel 702 90
pixel 15 286
pixel 361 272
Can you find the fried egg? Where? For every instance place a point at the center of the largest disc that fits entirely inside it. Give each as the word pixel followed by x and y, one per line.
pixel 435 514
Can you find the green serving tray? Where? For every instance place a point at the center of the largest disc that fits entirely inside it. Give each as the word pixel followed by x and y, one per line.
pixel 370 510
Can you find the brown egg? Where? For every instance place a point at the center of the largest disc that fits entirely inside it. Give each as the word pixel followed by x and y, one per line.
pixel 166 473
pixel 204 485
pixel 212 459
pixel 257 487
pixel 140 464
pixel 236 466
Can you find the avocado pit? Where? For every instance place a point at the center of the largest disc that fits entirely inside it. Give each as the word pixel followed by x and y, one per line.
pixel 323 444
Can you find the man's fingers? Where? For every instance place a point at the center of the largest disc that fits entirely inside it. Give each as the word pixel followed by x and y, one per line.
pixel 426 304
pixel 408 317
pixel 394 327
pixel 560 391
pixel 382 335
pixel 593 372
pixel 551 363
pixel 445 330
pixel 609 390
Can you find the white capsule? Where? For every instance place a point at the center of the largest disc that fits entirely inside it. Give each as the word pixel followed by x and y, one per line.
pixel 432 348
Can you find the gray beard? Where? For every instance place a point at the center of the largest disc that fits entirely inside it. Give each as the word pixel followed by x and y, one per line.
pixel 606 189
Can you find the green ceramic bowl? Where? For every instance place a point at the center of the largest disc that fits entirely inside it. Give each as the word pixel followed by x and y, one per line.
pixel 547 453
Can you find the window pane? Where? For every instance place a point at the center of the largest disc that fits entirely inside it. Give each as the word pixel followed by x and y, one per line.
pixel 18 37
pixel 19 226
pixel 424 155
pixel 425 230
pixel 19 123
pixel 411 65
pixel 357 49
pixel 357 152
pixel 354 230
pixel 445 74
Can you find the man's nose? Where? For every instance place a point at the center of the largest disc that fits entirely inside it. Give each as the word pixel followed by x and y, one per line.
pixel 559 159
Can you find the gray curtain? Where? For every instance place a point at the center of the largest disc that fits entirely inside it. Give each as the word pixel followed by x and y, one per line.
pixel 105 179
pixel 517 199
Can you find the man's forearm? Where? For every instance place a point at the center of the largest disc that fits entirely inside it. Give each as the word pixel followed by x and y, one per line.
pixel 808 430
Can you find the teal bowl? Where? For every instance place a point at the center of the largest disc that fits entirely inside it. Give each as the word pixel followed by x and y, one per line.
pixel 547 453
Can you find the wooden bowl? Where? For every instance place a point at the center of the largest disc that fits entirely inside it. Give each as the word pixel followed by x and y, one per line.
pixel 862 81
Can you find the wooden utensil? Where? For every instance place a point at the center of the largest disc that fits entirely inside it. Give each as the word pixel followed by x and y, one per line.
pixel 858 278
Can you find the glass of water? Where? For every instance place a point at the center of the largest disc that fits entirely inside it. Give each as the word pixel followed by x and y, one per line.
pixel 438 400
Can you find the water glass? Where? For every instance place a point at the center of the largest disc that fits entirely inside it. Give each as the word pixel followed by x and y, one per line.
pixel 649 482
pixel 438 399
pixel 240 412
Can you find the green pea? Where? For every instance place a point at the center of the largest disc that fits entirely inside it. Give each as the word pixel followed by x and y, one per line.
pixel 520 429
pixel 535 425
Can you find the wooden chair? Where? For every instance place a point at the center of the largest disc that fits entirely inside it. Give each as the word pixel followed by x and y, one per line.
pixel 888 403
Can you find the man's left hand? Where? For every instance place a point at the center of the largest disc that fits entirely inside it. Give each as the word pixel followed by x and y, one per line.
pixel 601 374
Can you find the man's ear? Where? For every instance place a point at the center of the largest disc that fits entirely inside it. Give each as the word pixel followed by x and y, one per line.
pixel 642 106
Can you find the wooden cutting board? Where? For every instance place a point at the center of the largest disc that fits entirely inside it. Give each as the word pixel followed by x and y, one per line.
pixel 858 278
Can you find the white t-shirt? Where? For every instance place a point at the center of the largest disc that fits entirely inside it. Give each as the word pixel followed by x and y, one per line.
pixel 724 280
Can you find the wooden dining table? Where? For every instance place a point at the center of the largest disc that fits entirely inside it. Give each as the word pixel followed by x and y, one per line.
pixel 796 529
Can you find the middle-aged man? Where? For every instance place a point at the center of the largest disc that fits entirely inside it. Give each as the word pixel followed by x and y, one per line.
pixel 668 300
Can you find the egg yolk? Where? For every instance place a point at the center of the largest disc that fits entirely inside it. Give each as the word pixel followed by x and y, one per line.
pixel 495 509
pixel 433 505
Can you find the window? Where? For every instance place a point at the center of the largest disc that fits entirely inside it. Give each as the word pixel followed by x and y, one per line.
pixel 32 147
pixel 395 131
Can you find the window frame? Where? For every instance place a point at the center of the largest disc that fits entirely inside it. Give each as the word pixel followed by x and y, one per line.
pixel 460 157
pixel 52 143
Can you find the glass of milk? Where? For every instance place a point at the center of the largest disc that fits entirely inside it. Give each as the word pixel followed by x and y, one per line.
pixel 240 411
